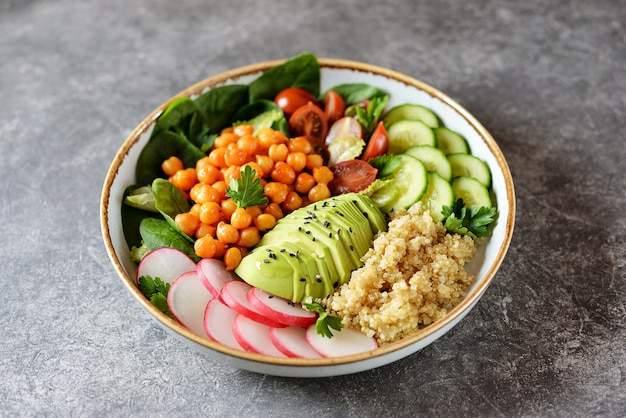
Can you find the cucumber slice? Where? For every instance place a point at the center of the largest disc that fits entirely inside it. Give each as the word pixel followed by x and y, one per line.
pixel 434 160
pixel 472 191
pixel 470 166
pixel 411 111
pixel 450 142
pixel 410 181
pixel 438 194
pixel 407 133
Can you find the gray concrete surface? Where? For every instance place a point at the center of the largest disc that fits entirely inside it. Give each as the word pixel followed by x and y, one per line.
pixel 547 78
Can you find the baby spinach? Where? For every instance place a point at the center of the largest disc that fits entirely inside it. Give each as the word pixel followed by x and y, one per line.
pixel 220 104
pixel 170 201
pixel 157 233
pixel 301 71
pixel 262 114
pixel 355 92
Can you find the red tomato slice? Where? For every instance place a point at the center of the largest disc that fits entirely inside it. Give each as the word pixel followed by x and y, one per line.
pixel 378 143
pixel 351 176
pixel 334 106
pixel 309 120
pixel 346 126
pixel 290 99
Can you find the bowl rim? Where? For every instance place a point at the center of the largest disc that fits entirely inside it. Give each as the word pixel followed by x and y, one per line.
pixel 450 319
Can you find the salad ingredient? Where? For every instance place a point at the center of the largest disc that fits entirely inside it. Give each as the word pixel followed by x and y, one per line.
pixel 247 190
pixel 310 121
pixel 155 290
pixel 346 342
pixel 345 149
pixel 218 324
pixel 290 99
pixel 472 220
pixel 234 295
pixel 351 176
pixel 158 233
pixel 472 191
pixel 412 276
pixel 187 299
pixel 407 133
pixel 410 181
pixel 291 341
pixel 254 336
pixel 438 195
pixel 469 165
pixel 357 92
pixel 324 321
pixel 279 309
pixel 377 144
pixel 301 71
pixel 213 275
pixel 166 263
pixel 347 126
pixel 313 249
pixel 433 158
pixel 412 112
pixel 368 117
pixel 334 106
pixel 450 142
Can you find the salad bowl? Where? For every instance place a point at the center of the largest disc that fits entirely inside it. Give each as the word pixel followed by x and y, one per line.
pixel 401 89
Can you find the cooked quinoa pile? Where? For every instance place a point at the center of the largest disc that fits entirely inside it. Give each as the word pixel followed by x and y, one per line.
pixel 413 275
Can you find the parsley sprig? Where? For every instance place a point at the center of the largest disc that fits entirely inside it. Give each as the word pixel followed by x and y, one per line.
pixel 155 290
pixel 369 116
pixel 472 221
pixel 247 190
pixel 324 321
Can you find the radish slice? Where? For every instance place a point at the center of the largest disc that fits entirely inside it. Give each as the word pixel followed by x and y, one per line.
pixel 291 341
pixel 254 337
pixel 279 309
pixel 187 299
pixel 234 296
pixel 214 275
pixel 165 263
pixel 343 343
pixel 218 324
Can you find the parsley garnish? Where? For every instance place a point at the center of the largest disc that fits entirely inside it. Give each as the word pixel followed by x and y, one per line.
pixel 155 290
pixel 369 116
pixel 470 221
pixel 324 321
pixel 386 164
pixel 247 191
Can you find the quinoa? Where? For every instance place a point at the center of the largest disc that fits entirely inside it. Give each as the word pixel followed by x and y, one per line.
pixel 412 276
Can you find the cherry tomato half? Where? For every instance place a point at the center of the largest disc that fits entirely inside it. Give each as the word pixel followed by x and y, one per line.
pixel 378 143
pixel 310 121
pixel 334 106
pixel 346 126
pixel 290 99
pixel 351 176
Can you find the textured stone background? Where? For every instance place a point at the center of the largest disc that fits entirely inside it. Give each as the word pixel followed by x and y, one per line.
pixel 547 78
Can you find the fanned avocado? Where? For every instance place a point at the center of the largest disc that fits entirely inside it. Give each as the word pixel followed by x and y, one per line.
pixel 314 249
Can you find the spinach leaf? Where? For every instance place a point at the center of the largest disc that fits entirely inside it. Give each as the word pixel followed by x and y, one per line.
pixel 301 71
pixel 355 92
pixel 170 201
pixel 220 104
pixel 157 233
pixel 262 114
pixel 160 147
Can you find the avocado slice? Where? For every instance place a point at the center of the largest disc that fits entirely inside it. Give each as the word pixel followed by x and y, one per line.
pixel 369 209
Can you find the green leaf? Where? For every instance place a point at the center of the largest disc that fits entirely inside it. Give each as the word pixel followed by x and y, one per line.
pixel 155 290
pixel 369 117
pixel 472 221
pixel 247 190
pixel 324 321
pixel 220 104
pixel 157 233
pixel 261 114
pixel 356 92
pixel 386 164
pixel 301 71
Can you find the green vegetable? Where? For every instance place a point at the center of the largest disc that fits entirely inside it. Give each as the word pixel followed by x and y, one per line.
pixel 220 104
pixel 344 149
pixel 170 201
pixel 262 114
pixel 155 290
pixel 470 221
pixel 141 198
pixel 247 191
pixel 138 253
pixel 156 233
pixel 301 71
pixel 356 92
pixel 368 118
pixel 386 164
pixel 324 321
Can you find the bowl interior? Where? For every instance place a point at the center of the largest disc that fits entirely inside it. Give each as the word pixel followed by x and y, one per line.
pixel 402 89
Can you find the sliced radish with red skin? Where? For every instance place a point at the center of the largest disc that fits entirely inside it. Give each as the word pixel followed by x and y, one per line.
pixel 165 263
pixel 233 295
pixel 214 275
pixel 254 337
pixel 218 324
pixel 343 343
pixel 291 341
pixel 187 300
pixel 279 309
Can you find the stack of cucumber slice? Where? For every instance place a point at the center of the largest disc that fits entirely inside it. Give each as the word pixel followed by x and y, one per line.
pixel 436 164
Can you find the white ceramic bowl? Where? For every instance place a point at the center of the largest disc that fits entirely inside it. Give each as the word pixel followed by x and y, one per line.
pixel 402 89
